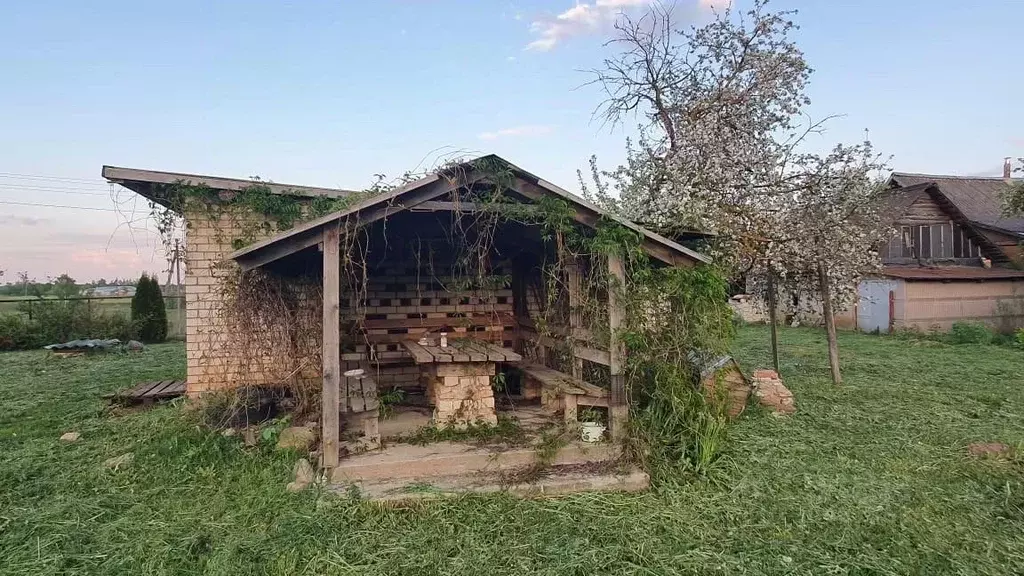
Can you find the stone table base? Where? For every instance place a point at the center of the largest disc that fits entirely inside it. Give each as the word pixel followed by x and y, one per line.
pixel 461 393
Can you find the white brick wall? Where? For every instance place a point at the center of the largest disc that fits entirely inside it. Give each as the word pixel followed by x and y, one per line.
pixel 216 357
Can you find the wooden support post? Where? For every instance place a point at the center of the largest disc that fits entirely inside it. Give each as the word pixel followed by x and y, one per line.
pixel 572 276
pixel 618 409
pixel 830 323
pixel 569 409
pixel 331 353
pixel 772 321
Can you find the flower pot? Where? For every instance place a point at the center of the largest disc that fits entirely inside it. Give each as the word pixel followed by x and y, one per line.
pixel 592 431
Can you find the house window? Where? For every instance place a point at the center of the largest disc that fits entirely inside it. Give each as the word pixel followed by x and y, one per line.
pixel 931 242
pixel 908 242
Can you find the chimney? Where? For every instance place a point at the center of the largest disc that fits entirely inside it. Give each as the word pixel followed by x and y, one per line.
pixel 1007 170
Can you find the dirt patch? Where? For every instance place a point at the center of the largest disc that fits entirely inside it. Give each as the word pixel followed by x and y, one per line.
pixel 990 450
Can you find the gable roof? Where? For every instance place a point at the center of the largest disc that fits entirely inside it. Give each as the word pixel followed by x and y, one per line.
pixel 899 199
pixel 149 183
pixel 433 186
pixel 979 198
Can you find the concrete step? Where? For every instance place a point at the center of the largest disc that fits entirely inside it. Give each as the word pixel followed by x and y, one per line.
pixel 553 481
pixel 443 459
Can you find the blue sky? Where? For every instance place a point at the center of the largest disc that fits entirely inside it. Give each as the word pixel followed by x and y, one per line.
pixel 330 93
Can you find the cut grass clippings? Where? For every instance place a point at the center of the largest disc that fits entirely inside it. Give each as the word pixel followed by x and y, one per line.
pixel 871 477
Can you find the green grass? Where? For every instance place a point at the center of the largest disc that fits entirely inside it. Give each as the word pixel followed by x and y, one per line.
pixel 869 478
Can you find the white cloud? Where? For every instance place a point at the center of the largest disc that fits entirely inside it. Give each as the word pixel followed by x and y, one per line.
pixel 530 130
pixel 510 58
pixel 583 18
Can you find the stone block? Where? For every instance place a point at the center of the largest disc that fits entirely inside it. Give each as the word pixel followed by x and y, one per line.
pixel 457 369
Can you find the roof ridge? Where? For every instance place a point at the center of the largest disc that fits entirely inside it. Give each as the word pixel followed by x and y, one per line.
pixel 951 176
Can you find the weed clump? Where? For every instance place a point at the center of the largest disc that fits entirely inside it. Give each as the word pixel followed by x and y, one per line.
pixel 970 333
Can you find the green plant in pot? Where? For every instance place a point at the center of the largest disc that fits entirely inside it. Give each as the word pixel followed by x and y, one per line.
pixel 593 424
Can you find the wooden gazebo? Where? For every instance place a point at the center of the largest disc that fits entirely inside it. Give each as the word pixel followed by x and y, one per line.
pixel 390 284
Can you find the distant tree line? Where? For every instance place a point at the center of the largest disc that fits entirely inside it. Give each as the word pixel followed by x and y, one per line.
pixel 64 285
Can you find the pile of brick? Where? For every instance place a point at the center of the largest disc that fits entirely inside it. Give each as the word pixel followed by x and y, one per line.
pixel 771 393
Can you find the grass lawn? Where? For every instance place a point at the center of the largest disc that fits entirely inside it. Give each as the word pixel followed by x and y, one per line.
pixel 869 478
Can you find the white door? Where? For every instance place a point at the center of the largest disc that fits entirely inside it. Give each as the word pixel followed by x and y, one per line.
pixel 873 312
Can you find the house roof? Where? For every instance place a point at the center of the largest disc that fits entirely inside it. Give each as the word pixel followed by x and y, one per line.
pixel 951 273
pixel 979 198
pixel 899 199
pixel 436 185
pixel 150 183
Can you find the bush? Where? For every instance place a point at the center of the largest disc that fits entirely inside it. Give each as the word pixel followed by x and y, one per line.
pixel 970 333
pixel 149 313
pixel 1019 337
pixel 54 321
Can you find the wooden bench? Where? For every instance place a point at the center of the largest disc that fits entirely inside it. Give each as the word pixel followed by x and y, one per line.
pixel 564 391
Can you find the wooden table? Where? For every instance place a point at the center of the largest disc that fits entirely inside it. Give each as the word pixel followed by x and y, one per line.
pixel 461 350
pixel 459 379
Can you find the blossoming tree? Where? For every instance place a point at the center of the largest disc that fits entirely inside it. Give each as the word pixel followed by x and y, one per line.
pixel 725 145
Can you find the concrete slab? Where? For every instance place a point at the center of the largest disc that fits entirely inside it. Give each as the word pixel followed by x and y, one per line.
pixel 408 461
pixel 554 481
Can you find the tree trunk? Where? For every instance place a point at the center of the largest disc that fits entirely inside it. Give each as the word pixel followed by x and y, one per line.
pixel 830 323
pixel 772 322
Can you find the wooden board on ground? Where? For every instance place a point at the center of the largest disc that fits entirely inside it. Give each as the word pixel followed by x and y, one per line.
pixel 149 392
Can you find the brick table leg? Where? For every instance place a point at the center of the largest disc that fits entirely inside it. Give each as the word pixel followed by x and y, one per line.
pixel 461 393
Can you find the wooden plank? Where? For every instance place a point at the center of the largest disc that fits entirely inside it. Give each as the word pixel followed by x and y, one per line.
pixel 498 354
pixel 569 408
pixel 618 410
pixel 162 389
pixel 440 355
pixel 565 383
pixel 374 338
pixel 458 355
pixel 144 390
pixel 496 319
pixel 469 347
pixel 591 389
pixel 131 175
pixel 572 274
pixel 331 352
pixel 486 352
pixel 471 207
pixel 147 392
pixel 580 351
pixel 419 354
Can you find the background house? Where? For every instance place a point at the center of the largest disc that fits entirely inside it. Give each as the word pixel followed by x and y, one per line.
pixel 953 257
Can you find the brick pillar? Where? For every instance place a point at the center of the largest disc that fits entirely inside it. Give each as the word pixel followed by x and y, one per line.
pixel 461 393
